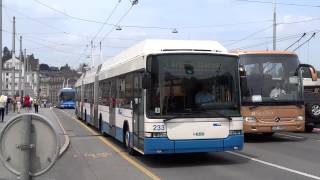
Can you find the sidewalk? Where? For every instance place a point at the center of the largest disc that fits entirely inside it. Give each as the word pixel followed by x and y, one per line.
pixel 7 118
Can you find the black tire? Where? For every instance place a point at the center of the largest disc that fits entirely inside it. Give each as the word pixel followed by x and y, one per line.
pixel 126 142
pixel 308 128
pixel 100 123
pixel 313 110
pixel 268 134
pixel 85 116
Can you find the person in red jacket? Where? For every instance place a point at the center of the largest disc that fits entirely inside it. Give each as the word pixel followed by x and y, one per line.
pixel 27 102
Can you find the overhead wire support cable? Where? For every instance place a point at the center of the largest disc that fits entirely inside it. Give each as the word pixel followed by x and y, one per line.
pixel 68 15
pixel 121 18
pixel 280 3
pixel 303 35
pixel 250 35
pixel 39 22
pixel 313 35
pixel 107 19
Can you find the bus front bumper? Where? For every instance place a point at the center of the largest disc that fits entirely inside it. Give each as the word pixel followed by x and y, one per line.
pixel 296 126
pixel 166 146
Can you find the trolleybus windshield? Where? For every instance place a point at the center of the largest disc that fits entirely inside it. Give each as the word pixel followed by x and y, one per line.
pixel 200 85
pixel 270 79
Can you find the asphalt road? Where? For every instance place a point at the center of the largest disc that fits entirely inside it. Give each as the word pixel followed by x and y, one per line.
pixel 293 156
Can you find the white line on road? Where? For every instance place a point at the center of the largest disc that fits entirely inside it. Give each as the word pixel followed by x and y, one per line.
pixel 291 136
pixel 66 144
pixel 275 165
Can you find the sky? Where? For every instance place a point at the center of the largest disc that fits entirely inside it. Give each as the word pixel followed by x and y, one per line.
pixel 59 32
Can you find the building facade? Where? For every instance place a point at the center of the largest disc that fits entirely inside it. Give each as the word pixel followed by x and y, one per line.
pixel 20 79
pixel 54 79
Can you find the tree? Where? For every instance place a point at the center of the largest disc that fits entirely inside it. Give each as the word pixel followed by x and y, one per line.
pixel 82 67
pixel 6 54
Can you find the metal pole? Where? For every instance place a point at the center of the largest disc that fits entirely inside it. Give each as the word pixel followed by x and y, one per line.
pixel 14 36
pixel 92 58
pixel 13 80
pixel 38 82
pixel 1 47
pixel 25 72
pixel 13 75
pixel 274 25
pixel 25 148
pixel 20 68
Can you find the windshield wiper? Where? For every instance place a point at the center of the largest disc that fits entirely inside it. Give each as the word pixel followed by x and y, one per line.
pixel 174 117
pixel 215 112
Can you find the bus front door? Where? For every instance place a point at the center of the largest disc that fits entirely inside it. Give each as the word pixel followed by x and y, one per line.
pixel 112 109
pixel 138 113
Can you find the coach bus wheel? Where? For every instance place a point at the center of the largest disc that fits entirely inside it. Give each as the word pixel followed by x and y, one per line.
pixel 314 110
pixel 126 142
pixel 308 128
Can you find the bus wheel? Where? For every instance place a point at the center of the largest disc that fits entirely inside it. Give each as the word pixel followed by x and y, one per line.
pixel 268 134
pixel 100 124
pixel 85 116
pixel 126 141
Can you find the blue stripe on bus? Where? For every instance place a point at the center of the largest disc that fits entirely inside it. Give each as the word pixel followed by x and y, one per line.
pixel 106 129
pixel 166 146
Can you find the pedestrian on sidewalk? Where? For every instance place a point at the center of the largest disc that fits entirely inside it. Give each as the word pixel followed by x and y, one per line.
pixel 3 102
pixel 36 105
pixel 7 105
pixel 14 103
pixel 18 104
pixel 27 102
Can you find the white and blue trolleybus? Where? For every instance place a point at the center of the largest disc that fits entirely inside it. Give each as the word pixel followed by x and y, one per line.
pixel 166 96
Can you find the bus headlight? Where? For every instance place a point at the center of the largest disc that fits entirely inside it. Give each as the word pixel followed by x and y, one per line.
pixel 155 134
pixel 300 118
pixel 250 119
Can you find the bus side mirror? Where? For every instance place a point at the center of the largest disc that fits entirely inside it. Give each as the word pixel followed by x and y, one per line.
pixel 146 80
pixel 242 71
pixel 312 70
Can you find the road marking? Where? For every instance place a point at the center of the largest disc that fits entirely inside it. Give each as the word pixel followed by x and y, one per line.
pixel 124 155
pixel 291 136
pixel 275 165
pixel 66 144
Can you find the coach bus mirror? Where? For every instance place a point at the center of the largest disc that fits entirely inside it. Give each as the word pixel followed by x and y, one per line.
pixel 312 71
pixel 146 81
pixel 242 71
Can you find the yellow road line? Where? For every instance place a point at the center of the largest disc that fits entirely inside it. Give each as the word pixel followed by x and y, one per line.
pixel 66 144
pixel 119 151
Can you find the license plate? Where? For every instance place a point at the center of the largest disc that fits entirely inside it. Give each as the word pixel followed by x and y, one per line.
pixel 277 128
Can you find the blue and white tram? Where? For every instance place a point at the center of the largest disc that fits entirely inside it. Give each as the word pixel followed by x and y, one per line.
pixel 169 96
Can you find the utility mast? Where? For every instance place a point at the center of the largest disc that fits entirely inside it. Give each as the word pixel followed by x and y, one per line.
pixel 274 24
pixel 20 67
pixel 92 58
pixel 13 73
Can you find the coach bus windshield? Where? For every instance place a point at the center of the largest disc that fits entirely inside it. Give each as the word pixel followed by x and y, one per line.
pixel 200 85
pixel 270 79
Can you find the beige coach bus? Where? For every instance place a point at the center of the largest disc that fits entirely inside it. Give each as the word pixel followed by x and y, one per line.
pixel 272 91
